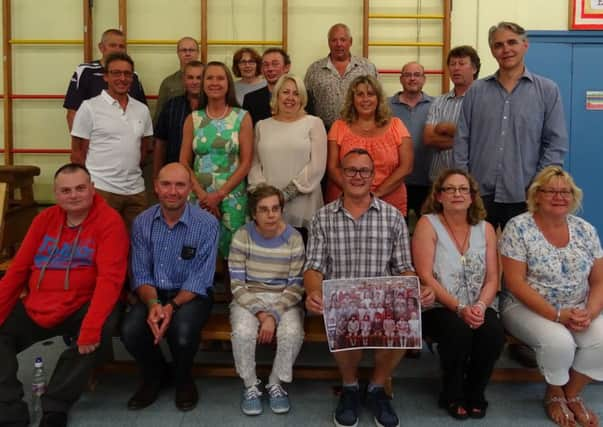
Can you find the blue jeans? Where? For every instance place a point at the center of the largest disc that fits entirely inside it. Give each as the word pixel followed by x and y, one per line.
pixel 183 336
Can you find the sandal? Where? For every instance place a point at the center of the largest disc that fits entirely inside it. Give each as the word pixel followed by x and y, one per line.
pixel 477 410
pixel 585 417
pixel 455 409
pixel 562 402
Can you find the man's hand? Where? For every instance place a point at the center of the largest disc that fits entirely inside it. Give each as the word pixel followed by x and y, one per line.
pixel 427 296
pixel 314 302
pixel 168 312
pixel 88 348
pixel 158 320
pixel 266 332
pixel 445 128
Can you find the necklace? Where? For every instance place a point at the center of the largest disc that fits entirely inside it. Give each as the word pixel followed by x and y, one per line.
pixel 72 223
pixel 456 241
pixel 220 117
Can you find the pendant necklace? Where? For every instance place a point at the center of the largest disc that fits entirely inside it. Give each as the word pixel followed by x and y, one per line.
pixel 456 242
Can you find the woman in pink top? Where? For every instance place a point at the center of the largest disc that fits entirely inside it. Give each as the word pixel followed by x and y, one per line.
pixel 366 122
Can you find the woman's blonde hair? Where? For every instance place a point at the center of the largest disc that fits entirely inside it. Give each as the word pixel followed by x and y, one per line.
pixel 382 114
pixel 476 211
pixel 301 91
pixel 544 177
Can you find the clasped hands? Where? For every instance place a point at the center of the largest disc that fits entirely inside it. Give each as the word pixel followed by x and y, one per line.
pixel 575 319
pixel 473 315
pixel 210 201
pixel 159 319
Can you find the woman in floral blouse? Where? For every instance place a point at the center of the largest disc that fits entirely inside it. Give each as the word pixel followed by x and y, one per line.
pixel 553 272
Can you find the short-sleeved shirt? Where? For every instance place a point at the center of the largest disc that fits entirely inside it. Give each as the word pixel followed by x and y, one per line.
pixel 383 148
pixel 414 119
pixel 87 82
pixel 560 275
pixel 169 126
pixel 328 88
pixel 180 257
pixel 115 136
pixel 376 244
pixel 445 108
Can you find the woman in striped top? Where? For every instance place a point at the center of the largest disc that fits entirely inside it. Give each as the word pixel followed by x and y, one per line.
pixel 265 262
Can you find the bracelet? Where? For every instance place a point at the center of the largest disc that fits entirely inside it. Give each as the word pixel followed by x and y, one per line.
pixel 152 302
pixel 459 308
pixel 558 317
pixel 481 304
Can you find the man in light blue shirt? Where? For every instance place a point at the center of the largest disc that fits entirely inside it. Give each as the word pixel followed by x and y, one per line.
pixel 174 246
pixel 511 126
pixel 411 105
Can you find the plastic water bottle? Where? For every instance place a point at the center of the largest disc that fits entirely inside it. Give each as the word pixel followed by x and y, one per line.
pixel 38 388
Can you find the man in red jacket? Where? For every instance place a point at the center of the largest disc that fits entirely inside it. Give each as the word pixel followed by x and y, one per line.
pixel 66 279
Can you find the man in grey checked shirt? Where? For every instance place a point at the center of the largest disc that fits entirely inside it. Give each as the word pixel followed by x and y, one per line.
pixel 359 235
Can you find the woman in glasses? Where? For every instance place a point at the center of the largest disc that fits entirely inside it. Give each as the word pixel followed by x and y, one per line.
pixel 246 64
pixel 454 252
pixel 265 263
pixel 553 272
pixel 366 122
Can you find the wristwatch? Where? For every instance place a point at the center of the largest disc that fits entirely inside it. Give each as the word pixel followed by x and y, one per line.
pixel 174 304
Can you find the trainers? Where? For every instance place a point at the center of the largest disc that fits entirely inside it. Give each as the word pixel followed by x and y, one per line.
pixel 251 403
pixel 279 400
pixel 346 413
pixel 380 406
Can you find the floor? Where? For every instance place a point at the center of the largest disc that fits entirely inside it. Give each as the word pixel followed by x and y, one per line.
pixel 415 390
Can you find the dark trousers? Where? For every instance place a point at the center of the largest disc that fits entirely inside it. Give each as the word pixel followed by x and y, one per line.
pixel 415 197
pixel 500 213
pixel 183 336
pixel 467 356
pixel 72 371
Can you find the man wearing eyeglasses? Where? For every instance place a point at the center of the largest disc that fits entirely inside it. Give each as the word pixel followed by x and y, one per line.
pixel 187 50
pixel 359 235
pixel 110 136
pixel 411 105
pixel 87 80
pixel 275 63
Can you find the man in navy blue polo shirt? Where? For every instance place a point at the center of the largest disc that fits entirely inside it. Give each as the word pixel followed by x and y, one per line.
pixel 87 80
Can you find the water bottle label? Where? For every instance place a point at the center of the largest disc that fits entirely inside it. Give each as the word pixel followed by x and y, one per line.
pixel 38 389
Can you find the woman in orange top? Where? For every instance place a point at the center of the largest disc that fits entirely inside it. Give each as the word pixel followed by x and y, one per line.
pixel 366 122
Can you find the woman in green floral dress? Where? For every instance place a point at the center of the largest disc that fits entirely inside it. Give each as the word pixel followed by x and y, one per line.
pixel 217 144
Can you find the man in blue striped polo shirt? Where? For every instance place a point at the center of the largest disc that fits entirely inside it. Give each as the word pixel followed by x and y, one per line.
pixel 174 246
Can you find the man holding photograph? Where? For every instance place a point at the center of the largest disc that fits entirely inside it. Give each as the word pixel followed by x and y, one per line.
pixel 359 235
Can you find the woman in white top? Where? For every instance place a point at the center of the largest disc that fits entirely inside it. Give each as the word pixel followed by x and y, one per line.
pixel 291 152
pixel 246 64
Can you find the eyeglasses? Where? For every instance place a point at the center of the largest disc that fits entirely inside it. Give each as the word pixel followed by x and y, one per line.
pixel 246 62
pixel 549 193
pixel 416 75
pixel 265 209
pixel 119 73
pixel 190 50
pixel 452 190
pixel 351 172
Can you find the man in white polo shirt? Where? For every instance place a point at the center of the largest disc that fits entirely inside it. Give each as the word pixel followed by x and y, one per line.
pixel 110 136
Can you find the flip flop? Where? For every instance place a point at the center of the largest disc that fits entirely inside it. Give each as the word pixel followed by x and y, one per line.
pixel 587 418
pixel 562 402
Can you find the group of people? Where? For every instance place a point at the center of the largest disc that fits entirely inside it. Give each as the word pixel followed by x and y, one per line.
pixel 487 154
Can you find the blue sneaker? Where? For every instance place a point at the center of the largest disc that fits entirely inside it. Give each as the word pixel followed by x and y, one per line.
pixel 279 400
pixel 346 413
pixel 251 403
pixel 380 406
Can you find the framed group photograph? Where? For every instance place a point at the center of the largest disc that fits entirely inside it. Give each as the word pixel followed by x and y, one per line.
pixel 586 14
pixel 380 312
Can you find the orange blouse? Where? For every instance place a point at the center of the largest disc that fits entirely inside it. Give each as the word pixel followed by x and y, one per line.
pixel 384 149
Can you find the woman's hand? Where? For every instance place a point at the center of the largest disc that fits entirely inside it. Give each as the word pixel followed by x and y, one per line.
pixel 267 327
pixel 211 202
pixel 469 316
pixel 578 319
pixel 427 296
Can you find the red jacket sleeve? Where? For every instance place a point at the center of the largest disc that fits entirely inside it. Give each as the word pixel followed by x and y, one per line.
pixel 17 276
pixel 111 265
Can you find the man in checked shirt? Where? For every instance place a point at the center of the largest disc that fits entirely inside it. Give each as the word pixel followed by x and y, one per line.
pixel 359 235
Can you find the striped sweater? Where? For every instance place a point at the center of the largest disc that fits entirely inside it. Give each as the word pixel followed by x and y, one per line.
pixel 257 264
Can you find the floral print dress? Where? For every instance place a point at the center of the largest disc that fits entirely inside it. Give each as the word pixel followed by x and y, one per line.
pixel 216 149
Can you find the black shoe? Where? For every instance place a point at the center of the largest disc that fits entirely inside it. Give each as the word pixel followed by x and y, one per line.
pixel 346 413
pixel 380 406
pixel 53 419
pixel 146 394
pixel 186 396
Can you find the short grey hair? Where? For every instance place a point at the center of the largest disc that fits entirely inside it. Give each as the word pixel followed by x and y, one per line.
pixel 347 30
pixel 506 25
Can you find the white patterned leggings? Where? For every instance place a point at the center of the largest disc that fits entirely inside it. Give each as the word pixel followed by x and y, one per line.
pixel 557 348
pixel 289 339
